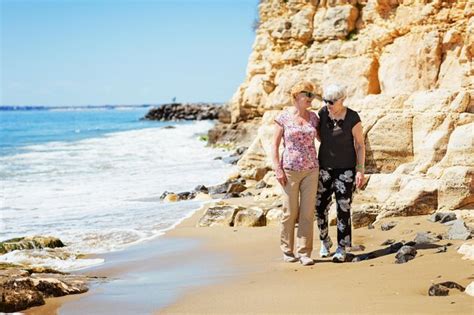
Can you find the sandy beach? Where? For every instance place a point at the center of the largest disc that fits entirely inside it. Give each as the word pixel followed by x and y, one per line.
pixel 230 270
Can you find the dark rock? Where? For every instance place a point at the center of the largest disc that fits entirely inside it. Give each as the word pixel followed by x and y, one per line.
pixel 261 184
pixel 380 252
pixel 169 127
pixel 405 254
pixel 443 217
pixel 19 294
pixel 231 195
pixel 236 187
pixel 186 195
pixel 202 189
pixel 388 226
pixel 164 194
pixel 218 189
pixel 442 289
pixel 218 158
pixel 371 226
pixel 443 249
pixel 241 150
pixel 246 194
pixel 231 159
pixel 178 111
pixel 350 258
pixel 427 238
pixel 30 243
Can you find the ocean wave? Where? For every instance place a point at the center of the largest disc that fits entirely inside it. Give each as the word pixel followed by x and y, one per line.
pixel 102 194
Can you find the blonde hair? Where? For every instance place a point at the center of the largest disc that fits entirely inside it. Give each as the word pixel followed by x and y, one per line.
pixel 300 87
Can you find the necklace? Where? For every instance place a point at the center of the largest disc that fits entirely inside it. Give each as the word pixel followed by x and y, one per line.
pixel 333 122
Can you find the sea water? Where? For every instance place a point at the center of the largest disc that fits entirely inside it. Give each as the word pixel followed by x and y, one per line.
pixel 93 178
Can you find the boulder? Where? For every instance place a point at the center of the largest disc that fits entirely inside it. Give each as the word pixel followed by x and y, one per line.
pixel 427 238
pixel 388 226
pixel 178 111
pixel 202 189
pixel 470 289
pixel 273 216
pixel 235 187
pixel 250 217
pixel 467 250
pixel 363 216
pixel 405 254
pixel 442 289
pixel 20 289
pixel 459 231
pixel 442 217
pixel 33 242
pixel 220 215
pixel 171 197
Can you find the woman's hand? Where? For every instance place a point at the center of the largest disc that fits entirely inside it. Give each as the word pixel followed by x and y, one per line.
pixel 359 179
pixel 281 176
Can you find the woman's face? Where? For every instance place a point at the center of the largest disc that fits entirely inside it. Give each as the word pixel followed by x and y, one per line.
pixel 333 104
pixel 303 99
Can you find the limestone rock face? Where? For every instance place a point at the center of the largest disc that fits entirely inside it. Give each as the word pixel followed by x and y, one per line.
pixel 408 69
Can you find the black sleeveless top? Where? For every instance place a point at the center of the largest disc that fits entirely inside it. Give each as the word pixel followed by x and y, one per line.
pixel 337 143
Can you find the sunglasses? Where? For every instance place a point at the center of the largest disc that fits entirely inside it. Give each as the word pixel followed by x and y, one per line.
pixel 331 124
pixel 307 94
pixel 329 101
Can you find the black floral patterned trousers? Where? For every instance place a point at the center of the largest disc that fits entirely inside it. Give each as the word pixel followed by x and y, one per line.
pixel 341 182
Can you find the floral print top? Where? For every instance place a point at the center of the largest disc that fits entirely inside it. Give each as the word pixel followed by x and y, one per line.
pixel 299 152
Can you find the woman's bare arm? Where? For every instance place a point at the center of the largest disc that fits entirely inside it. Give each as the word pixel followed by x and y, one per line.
pixel 359 145
pixel 280 174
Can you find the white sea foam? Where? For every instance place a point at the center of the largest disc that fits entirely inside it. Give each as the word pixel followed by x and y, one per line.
pixel 102 194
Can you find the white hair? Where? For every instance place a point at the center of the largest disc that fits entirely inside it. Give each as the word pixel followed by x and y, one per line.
pixel 334 92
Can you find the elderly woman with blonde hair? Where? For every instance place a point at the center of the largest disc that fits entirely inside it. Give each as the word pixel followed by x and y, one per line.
pixel 341 158
pixel 297 172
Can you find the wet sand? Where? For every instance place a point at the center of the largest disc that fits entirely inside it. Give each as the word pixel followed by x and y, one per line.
pixel 230 270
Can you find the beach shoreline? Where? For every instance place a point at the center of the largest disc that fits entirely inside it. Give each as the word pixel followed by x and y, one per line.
pixel 246 263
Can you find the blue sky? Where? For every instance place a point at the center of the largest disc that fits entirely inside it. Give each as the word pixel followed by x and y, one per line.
pixel 94 52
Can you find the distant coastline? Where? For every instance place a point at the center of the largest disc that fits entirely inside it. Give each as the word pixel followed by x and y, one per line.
pixel 79 107
pixel 82 107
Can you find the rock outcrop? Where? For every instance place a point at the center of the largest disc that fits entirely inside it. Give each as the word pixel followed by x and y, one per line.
pixel 178 111
pixel 22 288
pixel 30 242
pixel 407 66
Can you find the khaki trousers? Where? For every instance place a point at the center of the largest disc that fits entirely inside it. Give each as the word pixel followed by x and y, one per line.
pixel 299 201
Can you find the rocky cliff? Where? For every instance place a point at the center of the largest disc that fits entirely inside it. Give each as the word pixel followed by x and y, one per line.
pixel 407 66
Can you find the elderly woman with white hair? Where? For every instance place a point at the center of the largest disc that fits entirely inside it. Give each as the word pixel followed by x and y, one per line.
pixel 341 160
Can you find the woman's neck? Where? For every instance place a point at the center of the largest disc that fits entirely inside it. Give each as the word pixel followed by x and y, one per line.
pixel 300 112
pixel 336 112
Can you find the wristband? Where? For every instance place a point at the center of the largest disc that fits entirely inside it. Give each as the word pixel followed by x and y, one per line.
pixel 360 166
